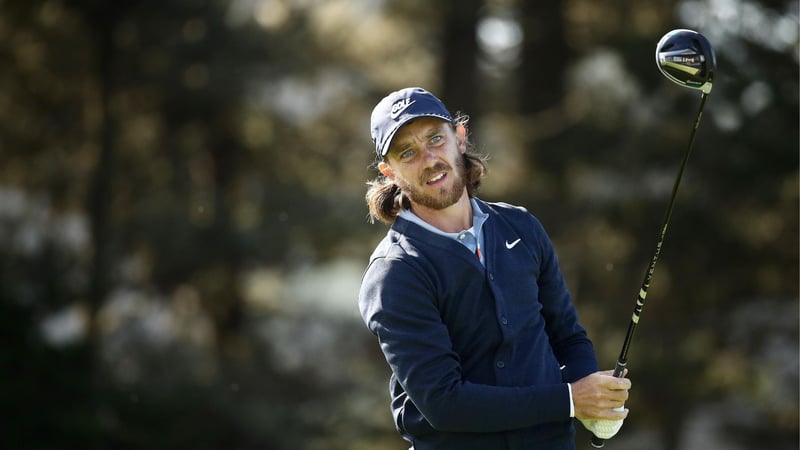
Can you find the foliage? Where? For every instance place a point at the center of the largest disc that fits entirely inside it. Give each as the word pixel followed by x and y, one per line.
pixel 182 224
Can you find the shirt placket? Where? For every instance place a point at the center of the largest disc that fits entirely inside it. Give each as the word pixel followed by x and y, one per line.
pixel 468 239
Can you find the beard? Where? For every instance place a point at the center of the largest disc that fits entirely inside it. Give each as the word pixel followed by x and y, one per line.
pixel 445 196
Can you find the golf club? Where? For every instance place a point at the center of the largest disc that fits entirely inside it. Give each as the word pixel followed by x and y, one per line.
pixel 686 58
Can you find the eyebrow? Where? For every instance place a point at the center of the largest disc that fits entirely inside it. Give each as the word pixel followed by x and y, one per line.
pixel 435 130
pixel 403 144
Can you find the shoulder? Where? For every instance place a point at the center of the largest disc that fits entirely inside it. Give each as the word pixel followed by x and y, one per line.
pixel 395 277
pixel 395 245
pixel 395 254
pixel 506 208
pixel 517 215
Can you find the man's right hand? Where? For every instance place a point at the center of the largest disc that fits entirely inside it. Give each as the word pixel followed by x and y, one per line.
pixel 600 396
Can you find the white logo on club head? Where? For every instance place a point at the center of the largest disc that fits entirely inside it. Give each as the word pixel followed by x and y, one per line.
pixel 399 106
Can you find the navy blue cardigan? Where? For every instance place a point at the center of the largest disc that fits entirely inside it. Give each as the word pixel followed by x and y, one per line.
pixel 476 353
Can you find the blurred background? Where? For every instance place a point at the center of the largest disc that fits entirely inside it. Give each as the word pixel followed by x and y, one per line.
pixel 183 226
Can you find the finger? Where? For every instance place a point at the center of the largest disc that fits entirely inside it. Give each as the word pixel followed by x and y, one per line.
pixel 620 384
pixel 616 413
pixel 618 397
pixel 611 372
pixel 616 401
pixel 606 413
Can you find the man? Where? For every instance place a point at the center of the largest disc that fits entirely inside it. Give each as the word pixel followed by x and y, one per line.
pixel 467 300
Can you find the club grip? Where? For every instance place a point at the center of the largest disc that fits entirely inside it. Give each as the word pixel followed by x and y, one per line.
pixel 619 370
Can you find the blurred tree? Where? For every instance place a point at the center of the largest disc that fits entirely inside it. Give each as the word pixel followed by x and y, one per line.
pixel 177 176
pixel 460 89
pixel 545 56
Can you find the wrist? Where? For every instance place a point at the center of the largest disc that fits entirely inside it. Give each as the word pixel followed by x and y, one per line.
pixel 571 402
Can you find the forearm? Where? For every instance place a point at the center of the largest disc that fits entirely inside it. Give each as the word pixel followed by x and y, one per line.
pixel 469 407
pixel 577 357
pixel 431 374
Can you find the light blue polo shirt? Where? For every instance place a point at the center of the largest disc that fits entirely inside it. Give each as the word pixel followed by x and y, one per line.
pixel 471 238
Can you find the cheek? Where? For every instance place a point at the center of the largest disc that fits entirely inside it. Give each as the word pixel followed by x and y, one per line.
pixel 403 179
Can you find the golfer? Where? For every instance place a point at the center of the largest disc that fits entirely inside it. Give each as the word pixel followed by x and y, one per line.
pixel 468 302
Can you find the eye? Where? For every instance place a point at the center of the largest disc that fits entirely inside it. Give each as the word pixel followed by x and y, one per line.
pixel 406 154
pixel 437 139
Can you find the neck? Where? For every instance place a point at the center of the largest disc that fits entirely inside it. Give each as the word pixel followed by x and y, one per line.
pixel 454 218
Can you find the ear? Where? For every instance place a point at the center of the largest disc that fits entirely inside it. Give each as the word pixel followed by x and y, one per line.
pixel 386 170
pixel 461 138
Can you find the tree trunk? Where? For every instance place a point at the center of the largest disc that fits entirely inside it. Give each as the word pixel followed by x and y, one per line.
pixel 545 56
pixel 459 60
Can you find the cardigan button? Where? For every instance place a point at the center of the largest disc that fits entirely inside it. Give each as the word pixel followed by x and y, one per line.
pixel 500 364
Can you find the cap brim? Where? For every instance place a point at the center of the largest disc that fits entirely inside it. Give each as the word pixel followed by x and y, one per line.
pixel 388 141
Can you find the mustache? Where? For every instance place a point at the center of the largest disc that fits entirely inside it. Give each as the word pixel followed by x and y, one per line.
pixel 438 167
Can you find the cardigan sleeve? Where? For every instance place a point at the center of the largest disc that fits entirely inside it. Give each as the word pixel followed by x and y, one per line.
pixel 398 305
pixel 567 337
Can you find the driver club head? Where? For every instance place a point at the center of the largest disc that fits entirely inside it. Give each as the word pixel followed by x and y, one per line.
pixel 687 58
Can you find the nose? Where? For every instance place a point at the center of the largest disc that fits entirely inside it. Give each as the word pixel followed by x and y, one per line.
pixel 430 153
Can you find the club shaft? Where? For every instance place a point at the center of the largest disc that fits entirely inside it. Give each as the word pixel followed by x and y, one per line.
pixel 622 361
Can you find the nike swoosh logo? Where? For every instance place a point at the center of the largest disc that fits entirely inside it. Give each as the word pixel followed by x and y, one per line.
pixel 512 245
